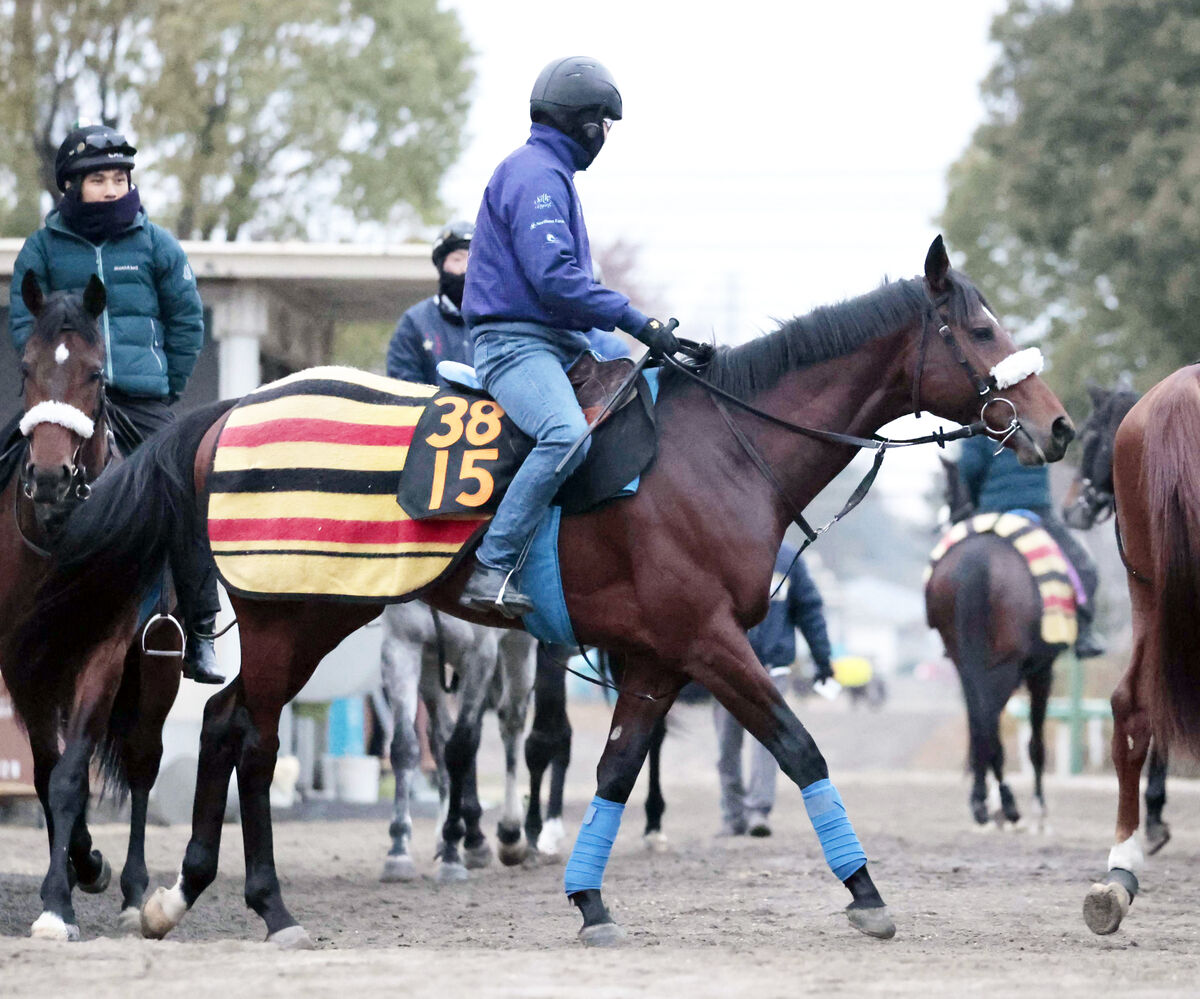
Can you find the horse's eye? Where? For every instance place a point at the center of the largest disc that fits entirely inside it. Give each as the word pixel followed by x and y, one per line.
pixel 96 375
pixel 983 334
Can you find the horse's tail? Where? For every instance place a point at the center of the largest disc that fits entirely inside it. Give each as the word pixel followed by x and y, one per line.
pixel 1171 472
pixel 972 582
pixel 112 550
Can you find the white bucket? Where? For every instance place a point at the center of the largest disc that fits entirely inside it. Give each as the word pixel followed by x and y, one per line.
pixel 357 779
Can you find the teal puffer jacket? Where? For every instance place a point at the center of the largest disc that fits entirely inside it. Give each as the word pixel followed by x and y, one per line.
pixel 154 324
pixel 999 482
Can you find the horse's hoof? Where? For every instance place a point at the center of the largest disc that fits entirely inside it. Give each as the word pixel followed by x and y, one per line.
pixel 656 842
pixel 448 874
pixel 100 885
pixel 129 921
pixel 49 926
pixel 602 935
pixel 550 839
pixel 876 922
pixel 513 854
pixel 479 856
pixel 1105 906
pixel 1158 835
pixel 162 912
pixel 399 868
pixel 291 938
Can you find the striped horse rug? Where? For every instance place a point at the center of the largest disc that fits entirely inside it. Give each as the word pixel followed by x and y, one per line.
pixel 1051 574
pixel 302 492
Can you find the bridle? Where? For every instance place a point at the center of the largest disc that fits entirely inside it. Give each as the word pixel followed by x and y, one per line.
pixel 1096 505
pixel 933 317
pixel 79 488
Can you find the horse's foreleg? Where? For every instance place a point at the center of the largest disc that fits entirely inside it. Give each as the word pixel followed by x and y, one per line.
pixel 548 744
pixel 1158 832
pixel 630 734
pixel 727 666
pixel 143 754
pixel 220 744
pixel 513 848
pixel 654 838
pixel 462 804
pixel 1108 901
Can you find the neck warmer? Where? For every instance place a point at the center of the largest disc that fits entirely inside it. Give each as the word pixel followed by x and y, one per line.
pixel 97 221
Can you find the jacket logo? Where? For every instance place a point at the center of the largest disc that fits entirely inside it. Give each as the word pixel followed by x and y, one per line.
pixel 534 225
pixel 126 267
pixel 187 272
pixel 551 238
pixel 542 202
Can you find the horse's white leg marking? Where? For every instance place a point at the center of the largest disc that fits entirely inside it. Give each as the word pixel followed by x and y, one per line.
pixel 49 926
pixel 163 910
pixel 1127 855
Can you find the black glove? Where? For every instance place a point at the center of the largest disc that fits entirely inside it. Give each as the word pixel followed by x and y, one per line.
pixel 659 338
pixel 824 672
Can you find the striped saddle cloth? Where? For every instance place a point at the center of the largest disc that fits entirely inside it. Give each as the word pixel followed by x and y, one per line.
pixel 302 492
pixel 1051 572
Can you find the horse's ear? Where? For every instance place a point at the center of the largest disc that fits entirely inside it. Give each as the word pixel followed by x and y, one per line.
pixel 94 297
pixel 937 265
pixel 947 463
pixel 1096 394
pixel 31 294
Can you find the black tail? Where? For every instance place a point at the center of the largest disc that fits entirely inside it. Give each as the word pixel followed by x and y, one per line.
pixel 112 550
pixel 971 610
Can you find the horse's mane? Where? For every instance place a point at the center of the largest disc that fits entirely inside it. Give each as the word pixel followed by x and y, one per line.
pixel 823 334
pixel 64 310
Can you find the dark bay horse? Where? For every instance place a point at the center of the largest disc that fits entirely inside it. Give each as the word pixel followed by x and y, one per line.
pixel 982 600
pixel 68 444
pixel 1156 492
pixel 668 580
pixel 1088 502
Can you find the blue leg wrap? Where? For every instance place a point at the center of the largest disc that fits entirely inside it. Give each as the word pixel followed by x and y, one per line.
pixel 843 852
pixel 594 843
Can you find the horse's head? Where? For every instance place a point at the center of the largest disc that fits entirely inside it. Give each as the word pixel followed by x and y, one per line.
pixel 976 371
pixel 1090 498
pixel 63 374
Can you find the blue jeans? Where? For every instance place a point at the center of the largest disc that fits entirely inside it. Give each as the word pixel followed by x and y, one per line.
pixel 526 374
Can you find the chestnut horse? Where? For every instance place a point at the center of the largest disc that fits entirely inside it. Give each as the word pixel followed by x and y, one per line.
pixel 1089 501
pixel 68 443
pixel 1156 492
pixel 668 580
pixel 983 602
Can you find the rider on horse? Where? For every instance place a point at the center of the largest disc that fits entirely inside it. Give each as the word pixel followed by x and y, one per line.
pixel 530 299
pixel 153 324
pixel 999 482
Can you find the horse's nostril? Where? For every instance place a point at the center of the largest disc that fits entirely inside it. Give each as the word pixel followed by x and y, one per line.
pixel 1062 431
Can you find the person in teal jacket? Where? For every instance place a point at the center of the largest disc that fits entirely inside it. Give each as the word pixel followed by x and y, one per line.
pixel 153 324
pixel 998 483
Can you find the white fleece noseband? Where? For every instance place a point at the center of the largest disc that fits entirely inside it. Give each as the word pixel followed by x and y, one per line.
pixel 1017 367
pixel 62 413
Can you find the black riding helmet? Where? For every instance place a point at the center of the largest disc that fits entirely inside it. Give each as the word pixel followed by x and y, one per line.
pixel 453 236
pixel 88 148
pixel 575 95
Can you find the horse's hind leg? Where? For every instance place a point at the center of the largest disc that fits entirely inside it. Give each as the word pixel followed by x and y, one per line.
pixel 1039 681
pixel 1158 832
pixel 220 743
pixel 143 753
pixel 401 674
pixel 629 738
pixel 516 670
pixel 654 838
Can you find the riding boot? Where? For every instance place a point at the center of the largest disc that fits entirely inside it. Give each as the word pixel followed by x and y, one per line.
pixel 491 589
pixel 200 659
pixel 1088 644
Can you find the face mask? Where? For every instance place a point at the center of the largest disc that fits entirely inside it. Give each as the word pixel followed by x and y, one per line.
pixel 452 285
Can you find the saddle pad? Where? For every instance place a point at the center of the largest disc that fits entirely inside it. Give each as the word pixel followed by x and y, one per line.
pixel 301 496
pixel 1049 568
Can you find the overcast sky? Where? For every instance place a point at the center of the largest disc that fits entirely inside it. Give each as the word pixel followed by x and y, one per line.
pixel 774 156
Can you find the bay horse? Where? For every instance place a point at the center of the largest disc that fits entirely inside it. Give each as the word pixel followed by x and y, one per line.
pixel 68 444
pixel 668 580
pixel 1090 501
pixel 1156 495
pixel 983 602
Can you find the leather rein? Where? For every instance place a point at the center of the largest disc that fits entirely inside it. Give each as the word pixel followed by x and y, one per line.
pixel 933 317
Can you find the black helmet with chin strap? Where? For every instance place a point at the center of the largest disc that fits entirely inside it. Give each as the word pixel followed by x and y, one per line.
pixel 88 148
pixel 453 236
pixel 575 95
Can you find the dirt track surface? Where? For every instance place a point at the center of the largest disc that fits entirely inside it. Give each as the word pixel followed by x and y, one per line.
pixel 976 913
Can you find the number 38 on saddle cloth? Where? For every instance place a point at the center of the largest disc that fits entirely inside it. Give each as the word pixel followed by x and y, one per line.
pixel 1053 575
pixel 342 483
